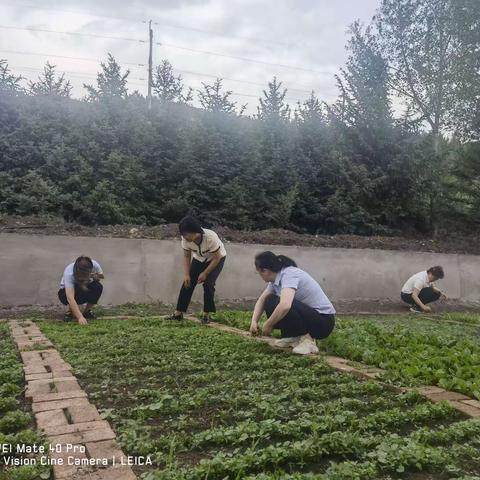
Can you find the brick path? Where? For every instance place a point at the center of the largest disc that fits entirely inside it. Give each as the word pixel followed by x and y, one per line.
pixel 462 403
pixel 62 411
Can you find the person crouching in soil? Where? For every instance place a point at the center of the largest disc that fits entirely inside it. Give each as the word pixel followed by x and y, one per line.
pixel 80 284
pixel 419 289
pixel 294 303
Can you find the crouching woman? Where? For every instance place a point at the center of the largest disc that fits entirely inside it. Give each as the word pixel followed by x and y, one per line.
pixel 294 303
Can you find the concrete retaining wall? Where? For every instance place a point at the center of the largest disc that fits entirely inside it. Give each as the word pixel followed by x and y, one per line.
pixel 140 270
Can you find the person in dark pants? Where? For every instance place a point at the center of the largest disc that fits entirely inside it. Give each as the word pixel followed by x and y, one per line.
pixel 208 260
pixel 80 285
pixel 419 289
pixel 294 303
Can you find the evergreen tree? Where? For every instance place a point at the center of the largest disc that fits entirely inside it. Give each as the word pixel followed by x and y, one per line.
pixel 9 83
pixel 49 85
pixel 213 99
pixel 168 87
pixel 111 82
pixel 272 106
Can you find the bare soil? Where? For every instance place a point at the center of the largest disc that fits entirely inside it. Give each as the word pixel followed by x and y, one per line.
pixel 453 243
pixel 360 306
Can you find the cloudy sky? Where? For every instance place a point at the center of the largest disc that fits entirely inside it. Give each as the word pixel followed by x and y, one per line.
pixel 299 41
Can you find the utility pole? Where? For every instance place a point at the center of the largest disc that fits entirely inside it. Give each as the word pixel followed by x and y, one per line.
pixel 150 76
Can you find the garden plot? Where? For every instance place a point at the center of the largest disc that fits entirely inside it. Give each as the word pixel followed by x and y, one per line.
pixel 16 420
pixel 209 405
pixel 414 351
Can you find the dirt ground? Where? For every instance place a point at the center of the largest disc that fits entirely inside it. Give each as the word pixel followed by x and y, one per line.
pixel 360 306
pixel 44 226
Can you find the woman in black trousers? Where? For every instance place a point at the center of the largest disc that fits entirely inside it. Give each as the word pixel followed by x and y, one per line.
pixel 294 303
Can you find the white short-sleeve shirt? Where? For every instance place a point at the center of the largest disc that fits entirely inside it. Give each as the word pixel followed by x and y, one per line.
pixel 419 280
pixel 68 280
pixel 210 244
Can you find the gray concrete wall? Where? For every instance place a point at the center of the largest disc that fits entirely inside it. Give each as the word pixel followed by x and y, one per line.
pixel 140 270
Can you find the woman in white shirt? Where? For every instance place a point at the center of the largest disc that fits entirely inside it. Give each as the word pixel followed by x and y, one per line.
pixel 209 255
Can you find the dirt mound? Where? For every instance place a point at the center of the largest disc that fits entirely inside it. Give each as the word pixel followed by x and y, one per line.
pixel 45 226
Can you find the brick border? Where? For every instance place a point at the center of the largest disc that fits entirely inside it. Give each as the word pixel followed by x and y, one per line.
pixel 460 402
pixel 62 411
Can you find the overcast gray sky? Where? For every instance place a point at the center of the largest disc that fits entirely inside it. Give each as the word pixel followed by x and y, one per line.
pixel 307 35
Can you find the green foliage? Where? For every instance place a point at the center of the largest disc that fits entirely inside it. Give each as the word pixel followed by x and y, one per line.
pixel 347 167
pixel 209 405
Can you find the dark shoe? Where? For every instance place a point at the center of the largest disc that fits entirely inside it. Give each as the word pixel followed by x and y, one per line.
pixel 90 315
pixel 205 320
pixel 174 317
pixel 415 309
pixel 68 317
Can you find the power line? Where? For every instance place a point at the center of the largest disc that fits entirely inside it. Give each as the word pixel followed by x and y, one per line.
pixel 96 60
pixel 85 75
pixel 78 74
pixel 188 72
pixel 162 23
pixel 95 35
pixel 205 52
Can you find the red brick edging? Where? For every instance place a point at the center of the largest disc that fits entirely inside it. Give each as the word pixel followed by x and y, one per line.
pixel 62 411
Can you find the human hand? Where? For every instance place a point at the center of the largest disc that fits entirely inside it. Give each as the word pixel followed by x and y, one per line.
pixel 443 297
pixel 426 309
pixel 253 328
pixel 202 277
pixel 267 328
pixel 187 281
pixel 82 321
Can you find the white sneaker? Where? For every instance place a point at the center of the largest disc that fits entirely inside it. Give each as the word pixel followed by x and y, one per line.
pixel 306 347
pixel 288 342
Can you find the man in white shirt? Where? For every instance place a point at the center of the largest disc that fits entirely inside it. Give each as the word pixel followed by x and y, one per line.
pixel 419 289
pixel 80 285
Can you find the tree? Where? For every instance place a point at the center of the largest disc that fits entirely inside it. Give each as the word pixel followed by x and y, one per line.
pixel 9 83
pixel 111 82
pixel 213 99
pixel 168 87
pixel 50 85
pixel 272 106
pixel 364 107
pixel 427 56
pixel 311 110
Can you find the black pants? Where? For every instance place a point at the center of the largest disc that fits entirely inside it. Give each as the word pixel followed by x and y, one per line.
pixel 91 295
pixel 301 319
pixel 426 295
pixel 196 268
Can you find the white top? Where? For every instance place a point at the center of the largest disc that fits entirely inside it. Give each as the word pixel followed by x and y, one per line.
pixel 68 280
pixel 307 289
pixel 419 280
pixel 209 245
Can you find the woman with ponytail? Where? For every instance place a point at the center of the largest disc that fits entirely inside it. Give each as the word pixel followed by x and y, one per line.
pixel 294 303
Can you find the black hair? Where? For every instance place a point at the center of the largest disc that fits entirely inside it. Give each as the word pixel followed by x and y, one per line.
pixel 189 225
pixel 82 266
pixel 437 272
pixel 274 263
